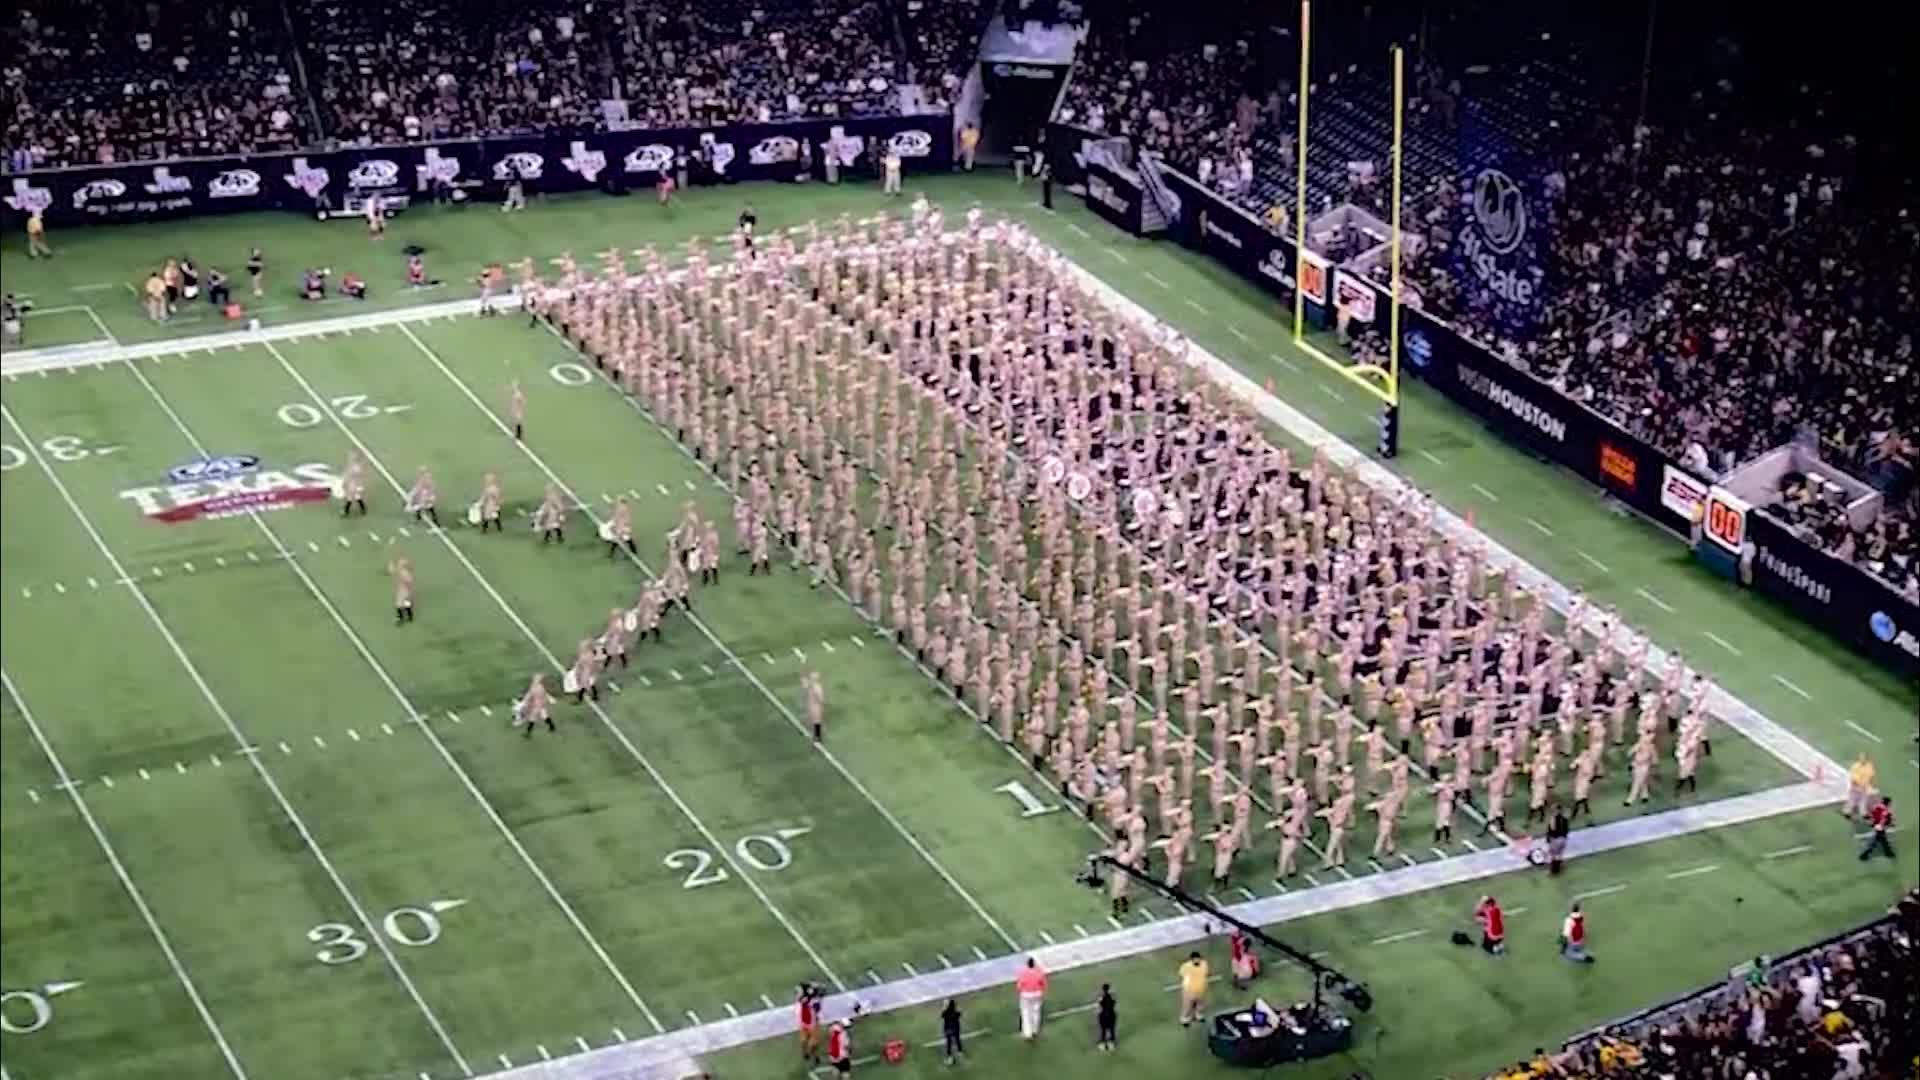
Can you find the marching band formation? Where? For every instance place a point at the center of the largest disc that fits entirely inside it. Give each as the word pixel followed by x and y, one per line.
pixel 1100 554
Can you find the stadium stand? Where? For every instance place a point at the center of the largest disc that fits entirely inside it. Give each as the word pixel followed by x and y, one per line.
pixel 1721 284
pixel 126 80
pixel 1845 1008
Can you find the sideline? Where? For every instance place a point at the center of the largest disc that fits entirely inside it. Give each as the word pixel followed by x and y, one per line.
pixel 664 1056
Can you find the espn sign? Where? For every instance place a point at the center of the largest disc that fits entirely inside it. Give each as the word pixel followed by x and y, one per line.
pixel 1724 519
pixel 1681 493
pixel 1619 468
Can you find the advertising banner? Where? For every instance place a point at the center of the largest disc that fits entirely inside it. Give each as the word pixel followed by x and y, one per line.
pixel 1212 225
pixel 1846 600
pixel 1116 197
pixel 543 164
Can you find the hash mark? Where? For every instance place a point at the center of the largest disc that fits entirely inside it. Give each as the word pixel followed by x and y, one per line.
pixel 944 962
pixel 619 1036
pixel 388 728
pixel 1484 493
pixel 802 657
pixel 145 775
pixel 1046 937
pixel 319 742
pixel 352 734
pixel 1078 929
pixel 252 557
pixel 731 1011
pixel 1431 456
pixel 504 1063
pixel 107 780
pixel 708 668
pixel 582 1043
pixel 486 711
pixel 93 583
pixel 767 1001
pixel 909 969
pixel 544 1056
pixel 827 645
pixel 313 547
pixel 978 953
pixel 285 749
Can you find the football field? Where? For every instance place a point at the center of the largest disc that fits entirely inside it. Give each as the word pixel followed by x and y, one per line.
pixel 252 826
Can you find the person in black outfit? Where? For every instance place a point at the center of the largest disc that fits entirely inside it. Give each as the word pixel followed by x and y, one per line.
pixel 1107 1016
pixel 950 1031
pixel 749 221
pixel 1557 831
pixel 219 293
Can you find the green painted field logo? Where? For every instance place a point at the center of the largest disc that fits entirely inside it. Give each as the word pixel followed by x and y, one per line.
pixel 229 485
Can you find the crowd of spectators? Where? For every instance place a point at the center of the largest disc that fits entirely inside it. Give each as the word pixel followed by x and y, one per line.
pixel 943 40
pixel 133 80
pixel 1847 1011
pixel 1714 283
pixel 1187 85
pixel 130 80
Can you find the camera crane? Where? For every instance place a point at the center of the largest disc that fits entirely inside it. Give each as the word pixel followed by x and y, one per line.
pixel 1325 978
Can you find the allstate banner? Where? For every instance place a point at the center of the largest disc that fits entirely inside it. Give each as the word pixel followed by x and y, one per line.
pixel 1214 226
pixel 1505 223
pixel 1847 601
pixel 1118 198
pixel 541 163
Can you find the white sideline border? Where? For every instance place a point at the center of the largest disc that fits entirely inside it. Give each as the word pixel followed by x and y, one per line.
pixel 667 1057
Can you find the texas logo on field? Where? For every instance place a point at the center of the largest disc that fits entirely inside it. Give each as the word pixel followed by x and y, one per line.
pixel 229 485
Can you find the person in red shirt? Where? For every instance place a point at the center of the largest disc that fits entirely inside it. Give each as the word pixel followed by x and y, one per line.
pixel 808 1005
pixel 1246 965
pixel 1493 926
pixel 1880 819
pixel 1573 936
pixel 840 1047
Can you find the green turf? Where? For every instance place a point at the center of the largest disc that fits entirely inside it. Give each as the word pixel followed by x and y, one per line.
pixel 403 823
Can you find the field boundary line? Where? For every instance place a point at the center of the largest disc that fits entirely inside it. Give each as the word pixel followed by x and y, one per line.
pixel 647 1059
pixel 399 695
pixel 553 661
pixel 1769 735
pixel 233 728
pixel 126 878
pixel 732 657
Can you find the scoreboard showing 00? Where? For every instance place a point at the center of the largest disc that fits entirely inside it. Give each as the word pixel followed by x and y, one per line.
pixel 1724 518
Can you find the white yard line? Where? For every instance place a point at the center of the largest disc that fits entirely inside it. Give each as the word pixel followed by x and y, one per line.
pixel 1693 872
pixel 624 1061
pixel 1655 601
pixel 1597 564
pixel 1722 642
pixel 369 930
pixel 1542 529
pixel 386 679
pixel 1796 849
pixel 1157 279
pixel 126 879
pixel 706 631
pixel 1484 493
pixel 1863 732
pixel 1788 683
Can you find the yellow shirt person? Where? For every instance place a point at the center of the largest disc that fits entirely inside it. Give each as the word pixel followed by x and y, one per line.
pixel 1193 989
pixel 1859 786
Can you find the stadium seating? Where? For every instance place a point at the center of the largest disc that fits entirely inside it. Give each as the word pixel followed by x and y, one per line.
pixel 1845 1009
pixel 127 81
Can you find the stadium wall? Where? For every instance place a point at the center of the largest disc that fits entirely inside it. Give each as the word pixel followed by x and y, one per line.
pixel 610 161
